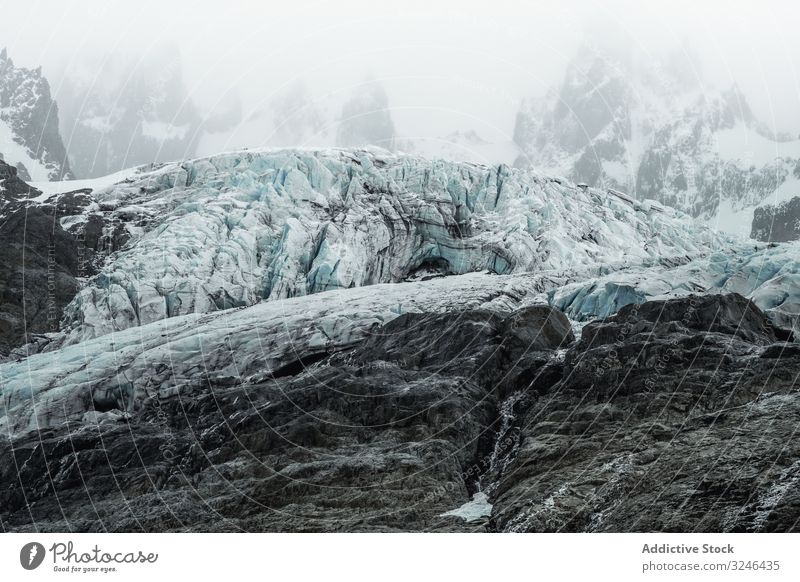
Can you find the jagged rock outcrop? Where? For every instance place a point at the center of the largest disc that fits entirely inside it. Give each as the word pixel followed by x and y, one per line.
pixel 778 222
pixel 42 261
pixel 29 134
pixel 12 186
pixel 670 416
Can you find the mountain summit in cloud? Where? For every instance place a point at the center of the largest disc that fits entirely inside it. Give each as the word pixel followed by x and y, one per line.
pixel 654 130
pixel 128 112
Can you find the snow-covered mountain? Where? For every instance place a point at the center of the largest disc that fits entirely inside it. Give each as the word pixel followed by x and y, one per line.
pixel 653 131
pixel 119 113
pixel 366 119
pixel 29 132
pixel 359 117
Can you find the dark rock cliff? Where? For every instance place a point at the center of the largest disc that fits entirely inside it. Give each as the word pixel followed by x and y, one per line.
pixel 673 416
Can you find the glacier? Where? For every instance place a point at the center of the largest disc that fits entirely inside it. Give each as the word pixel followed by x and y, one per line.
pixel 176 355
pixel 225 248
pixel 235 229
pixel 351 339
pixel 224 252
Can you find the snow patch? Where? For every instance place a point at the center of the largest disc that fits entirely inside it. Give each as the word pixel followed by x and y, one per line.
pixel 472 510
pixel 94 184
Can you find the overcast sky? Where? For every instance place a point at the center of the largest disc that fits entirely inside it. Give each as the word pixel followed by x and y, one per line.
pixel 445 65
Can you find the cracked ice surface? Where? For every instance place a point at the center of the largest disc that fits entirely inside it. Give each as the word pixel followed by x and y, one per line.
pixel 767 274
pixel 238 228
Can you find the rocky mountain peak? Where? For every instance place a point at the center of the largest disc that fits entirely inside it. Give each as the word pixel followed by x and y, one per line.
pixel 29 133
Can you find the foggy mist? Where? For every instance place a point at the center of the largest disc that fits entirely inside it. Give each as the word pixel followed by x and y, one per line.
pixel 444 68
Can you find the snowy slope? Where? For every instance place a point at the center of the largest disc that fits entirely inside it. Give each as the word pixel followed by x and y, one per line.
pixel 743 142
pixel 49 189
pixel 737 219
pixel 14 154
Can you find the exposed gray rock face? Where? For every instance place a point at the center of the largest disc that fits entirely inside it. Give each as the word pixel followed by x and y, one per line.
pixel 674 416
pixel 29 133
pixel 38 264
pixel 777 223
pixel 41 262
pixel 12 185
pixel 670 416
